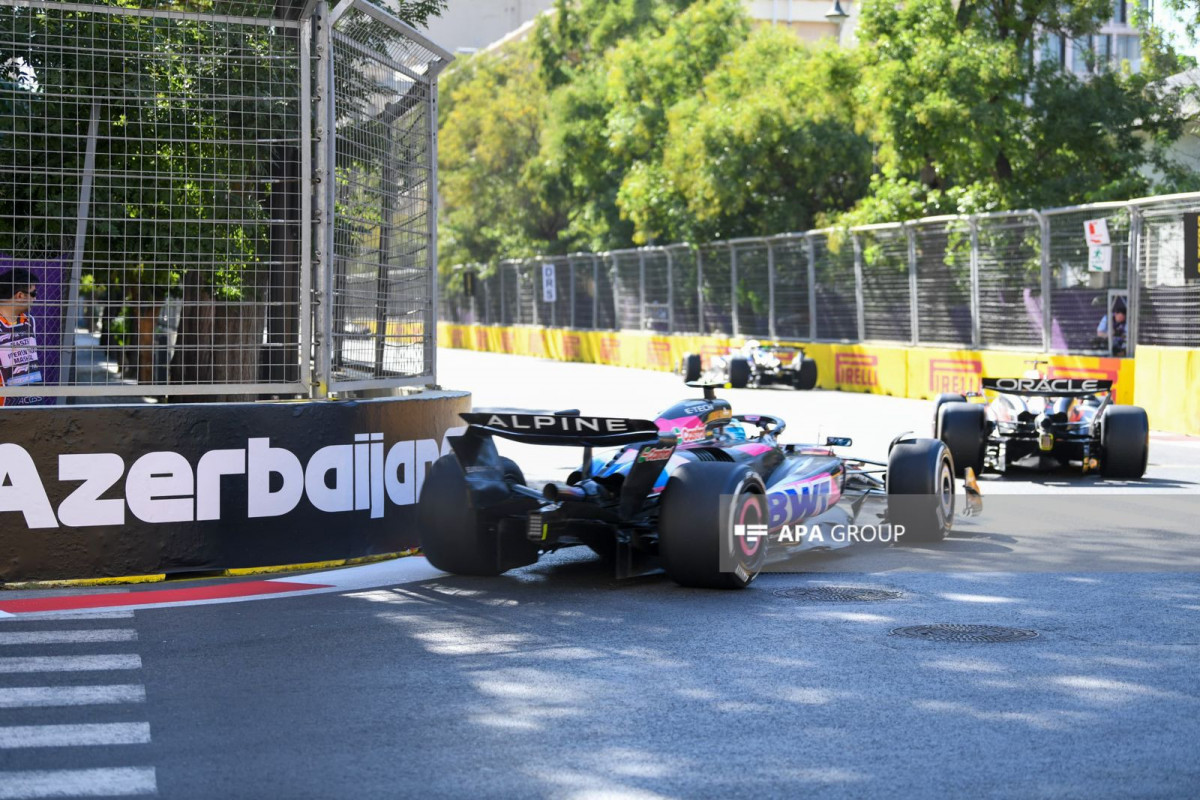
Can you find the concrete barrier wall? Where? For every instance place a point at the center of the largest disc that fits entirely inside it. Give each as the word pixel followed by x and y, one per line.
pixel 1166 381
pixel 97 491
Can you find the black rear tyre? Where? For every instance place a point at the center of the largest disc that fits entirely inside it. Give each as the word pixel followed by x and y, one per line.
pixel 941 400
pixel 739 373
pixel 963 428
pixel 920 489
pixel 806 376
pixel 695 542
pixel 1124 442
pixel 689 366
pixel 458 537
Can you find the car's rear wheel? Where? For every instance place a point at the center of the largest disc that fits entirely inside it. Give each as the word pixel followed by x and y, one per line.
pixel 805 378
pixel 458 537
pixel 963 428
pixel 1124 442
pixel 739 373
pixel 920 489
pixel 697 540
pixel 941 400
pixel 689 367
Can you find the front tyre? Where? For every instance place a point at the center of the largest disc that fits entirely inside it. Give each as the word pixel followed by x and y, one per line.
pixel 696 536
pixel 920 489
pixel 455 535
pixel 1124 442
pixel 805 378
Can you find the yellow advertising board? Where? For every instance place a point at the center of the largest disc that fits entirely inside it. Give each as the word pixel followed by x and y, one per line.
pixel 1169 377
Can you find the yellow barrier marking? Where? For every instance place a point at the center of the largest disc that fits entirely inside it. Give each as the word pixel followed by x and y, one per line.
pixel 69 582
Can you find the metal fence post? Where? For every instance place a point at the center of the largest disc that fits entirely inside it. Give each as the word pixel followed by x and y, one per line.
pixel 595 291
pixel 83 211
pixel 700 289
pixel 1135 280
pixel 571 269
pixel 670 290
pixel 1047 314
pixel 976 327
pixel 913 306
pixel 770 289
pixel 325 134
pixel 517 280
pixel 811 251
pixel 614 277
pixel 733 290
pixel 641 289
pixel 500 269
pixel 859 300
pixel 534 293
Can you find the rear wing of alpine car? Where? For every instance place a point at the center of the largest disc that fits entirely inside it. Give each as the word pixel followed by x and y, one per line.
pixel 1048 387
pixel 571 430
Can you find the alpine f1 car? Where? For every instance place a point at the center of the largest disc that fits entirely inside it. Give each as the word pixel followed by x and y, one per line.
pixel 753 364
pixel 1043 423
pixel 695 492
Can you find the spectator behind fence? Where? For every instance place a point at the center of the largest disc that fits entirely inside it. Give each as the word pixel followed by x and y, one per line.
pixel 19 364
pixel 1118 327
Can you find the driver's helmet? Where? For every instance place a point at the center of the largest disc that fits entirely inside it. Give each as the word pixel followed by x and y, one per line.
pixel 751 345
pixel 735 432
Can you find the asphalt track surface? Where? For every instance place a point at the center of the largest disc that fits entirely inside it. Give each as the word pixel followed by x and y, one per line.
pixel 558 681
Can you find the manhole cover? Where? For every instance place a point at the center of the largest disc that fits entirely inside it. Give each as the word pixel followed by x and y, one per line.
pixel 838 594
pixel 965 633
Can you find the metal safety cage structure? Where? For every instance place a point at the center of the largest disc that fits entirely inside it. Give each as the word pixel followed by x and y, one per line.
pixel 1019 280
pixel 376 209
pixel 230 198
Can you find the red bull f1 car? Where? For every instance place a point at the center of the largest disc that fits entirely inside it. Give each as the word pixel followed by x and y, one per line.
pixel 696 492
pixel 753 365
pixel 1043 423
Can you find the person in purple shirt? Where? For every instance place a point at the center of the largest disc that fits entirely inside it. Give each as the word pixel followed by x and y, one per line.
pixel 19 364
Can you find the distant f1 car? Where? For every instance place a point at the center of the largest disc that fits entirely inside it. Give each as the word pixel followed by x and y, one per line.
pixel 753 364
pixel 1037 422
pixel 681 492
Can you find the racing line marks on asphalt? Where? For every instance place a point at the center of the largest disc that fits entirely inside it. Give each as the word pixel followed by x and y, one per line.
pixel 88 729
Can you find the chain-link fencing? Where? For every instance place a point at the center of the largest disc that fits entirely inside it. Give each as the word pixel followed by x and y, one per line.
pixel 1085 279
pixel 227 198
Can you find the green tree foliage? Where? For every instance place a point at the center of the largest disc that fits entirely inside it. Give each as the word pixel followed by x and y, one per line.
pixel 966 119
pixel 632 121
pixel 496 200
pixel 768 145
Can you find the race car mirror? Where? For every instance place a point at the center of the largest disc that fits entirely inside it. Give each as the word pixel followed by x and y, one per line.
pixel 838 441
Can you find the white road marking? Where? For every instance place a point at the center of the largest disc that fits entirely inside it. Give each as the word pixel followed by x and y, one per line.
pixel 50 696
pixel 104 733
pixel 12 664
pixel 68 637
pixel 113 782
